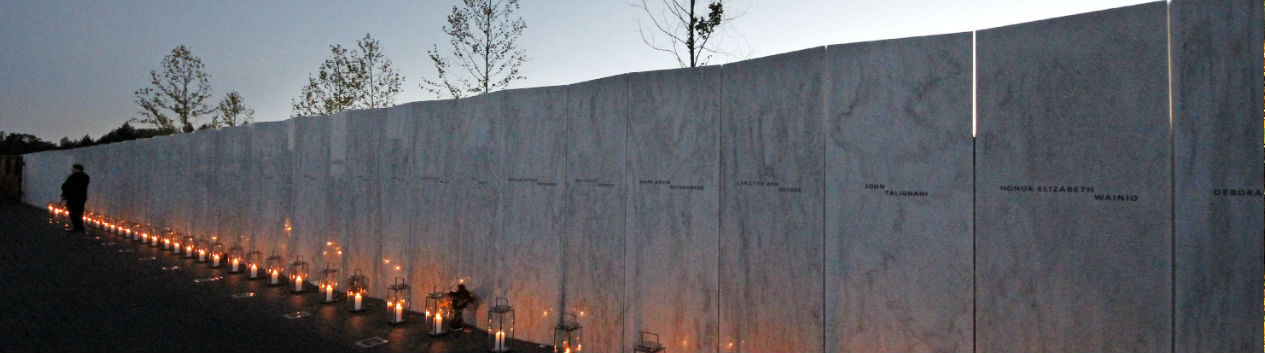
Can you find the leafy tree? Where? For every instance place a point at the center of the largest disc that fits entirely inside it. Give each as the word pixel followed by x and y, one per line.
pixel 381 82
pixel 21 143
pixel 687 30
pixel 177 96
pixel 484 37
pixel 233 111
pixel 350 79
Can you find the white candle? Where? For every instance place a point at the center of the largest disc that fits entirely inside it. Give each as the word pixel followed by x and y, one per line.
pixel 357 307
pixel 399 312
pixel 298 283
pixel 499 346
pixel 254 271
pixel 329 293
pixel 235 264
pixel 274 274
pixel 201 255
pixel 215 260
pixel 439 323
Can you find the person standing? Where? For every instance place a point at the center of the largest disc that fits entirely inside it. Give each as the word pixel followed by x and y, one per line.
pixel 75 192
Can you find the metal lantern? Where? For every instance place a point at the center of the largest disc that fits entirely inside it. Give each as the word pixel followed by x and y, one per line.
pixel 189 246
pixel 217 254
pixel 357 289
pixel 254 261
pixel 329 284
pixel 235 258
pixel 298 273
pixel 202 247
pixel 649 343
pixel 397 301
pixel 566 335
pixel 501 324
pixel 438 309
pixel 151 234
pixel 274 264
pixel 168 238
pixel 172 243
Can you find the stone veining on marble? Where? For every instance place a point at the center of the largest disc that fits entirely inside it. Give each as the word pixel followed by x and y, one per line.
pixel 1073 218
pixel 898 196
pixel 1217 174
pixel 771 244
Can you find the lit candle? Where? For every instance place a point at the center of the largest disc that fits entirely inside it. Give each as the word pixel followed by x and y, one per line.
pixel 357 306
pixel 439 324
pixel 298 283
pixel 235 263
pixel 201 255
pixel 329 293
pixel 499 345
pixel 274 274
pixel 399 312
pixel 254 271
pixel 215 260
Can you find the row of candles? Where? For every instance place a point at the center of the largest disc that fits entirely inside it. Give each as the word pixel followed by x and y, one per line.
pixel 437 306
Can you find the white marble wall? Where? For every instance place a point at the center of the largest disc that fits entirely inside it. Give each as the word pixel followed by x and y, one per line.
pixel 478 176
pixel 530 239
pixel 354 138
pixel 273 169
pixel 396 192
pixel 435 238
pixel 671 236
pixel 593 215
pixel 1216 145
pixel 899 186
pixel 749 207
pixel 1077 101
pixel 771 241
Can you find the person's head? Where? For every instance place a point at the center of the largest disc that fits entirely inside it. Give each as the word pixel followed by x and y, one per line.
pixel 77 168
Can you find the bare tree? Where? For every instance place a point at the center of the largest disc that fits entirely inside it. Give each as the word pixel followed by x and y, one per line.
pixel 181 90
pixel 484 37
pixel 233 112
pixel 687 29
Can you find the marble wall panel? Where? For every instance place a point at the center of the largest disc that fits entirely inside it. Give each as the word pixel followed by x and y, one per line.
pixel 397 208
pixel 1073 193
pixel 312 184
pixel 478 177
pixel 271 190
pixel 1217 175
pixel 594 210
pixel 899 189
pixel 434 241
pixel 233 173
pixel 370 248
pixel 771 241
pixel 42 177
pixel 353 168
pixel 534 123
pixel 200 216
pixel 184 174
pixel 671 257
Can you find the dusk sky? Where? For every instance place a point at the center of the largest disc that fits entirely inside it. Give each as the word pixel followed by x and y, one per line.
pixel 68 68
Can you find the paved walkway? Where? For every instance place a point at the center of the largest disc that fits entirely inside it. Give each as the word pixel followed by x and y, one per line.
pixel 64 292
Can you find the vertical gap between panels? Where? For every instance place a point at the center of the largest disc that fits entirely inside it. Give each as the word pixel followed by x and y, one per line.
pixel 974 189
pixel 1172 190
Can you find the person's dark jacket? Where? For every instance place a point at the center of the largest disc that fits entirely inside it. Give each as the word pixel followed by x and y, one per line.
pixel 75 189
